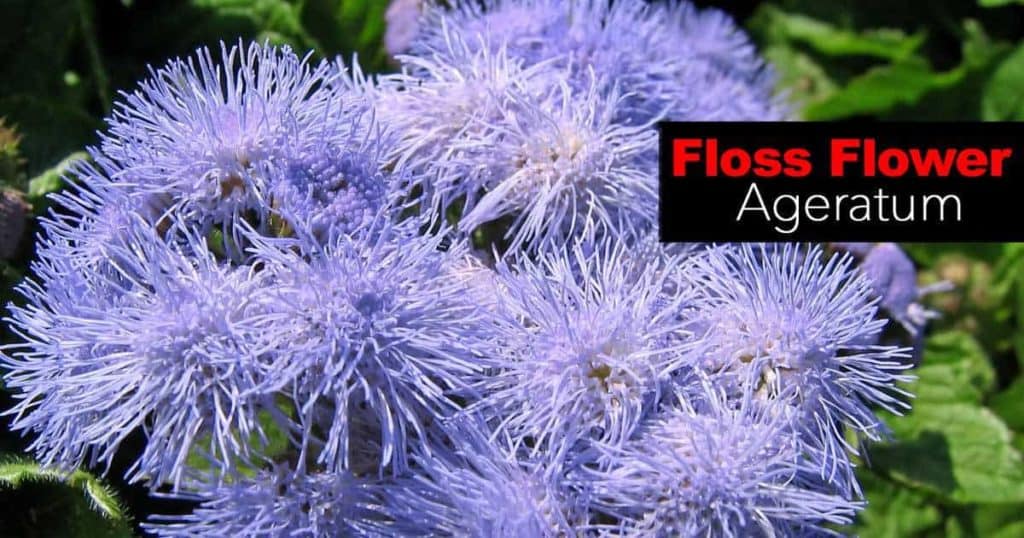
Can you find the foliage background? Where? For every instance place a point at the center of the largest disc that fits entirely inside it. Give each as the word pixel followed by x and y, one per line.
pixel 955 467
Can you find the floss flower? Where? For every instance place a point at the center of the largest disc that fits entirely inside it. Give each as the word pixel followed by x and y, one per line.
pixel 487 487
pixel 194 132
pixel 584 342
pixel 265 272
pixel 515 143
pixel 167 341
pixel 722 472
pixel 285 502
pixel 800 333
pixel 381 322
pixel 677 62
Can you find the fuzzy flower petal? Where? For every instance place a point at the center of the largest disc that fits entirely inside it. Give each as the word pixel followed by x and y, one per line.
pixel 584 342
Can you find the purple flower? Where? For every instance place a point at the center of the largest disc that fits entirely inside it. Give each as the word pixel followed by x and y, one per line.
pixel 484 486
pixel 583 343
pixel 511 143
pixel 285 502
pixel 564 169
pixel 379 323
pixel 402 18
pixel 718 471
pixel 335 186
pixel 446 111
pixel 799 333
pixel 164 340
pixel 894 279
pixel 672 59
pixel 196 133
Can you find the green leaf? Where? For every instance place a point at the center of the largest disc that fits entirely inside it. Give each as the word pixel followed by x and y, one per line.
pixel 881 89
pixel 894 511
pixel 958 451
pixel 1009 405
pixel 1002 98
pixel 51 180
pixel 346 27
pixel 955 368
pixel 16 472
pixel 999 3
pixel 778 26
pixel 996 519
pixel 1013 530
pixel 803 79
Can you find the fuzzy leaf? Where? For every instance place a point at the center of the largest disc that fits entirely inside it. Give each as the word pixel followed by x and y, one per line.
pixel 16 472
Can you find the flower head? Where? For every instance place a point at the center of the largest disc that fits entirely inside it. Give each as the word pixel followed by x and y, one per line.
pixel 676 61
pixel 380 324
pixel 166 341
pixel 894 279
pixel 801 334
pixel 563 168
pixel 285 502
pixel 485 487
pixel 718 471
pixel 584 342
pixel 335 186
pixel 197 129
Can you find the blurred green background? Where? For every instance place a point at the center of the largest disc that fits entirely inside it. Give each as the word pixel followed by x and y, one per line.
pixel 955 468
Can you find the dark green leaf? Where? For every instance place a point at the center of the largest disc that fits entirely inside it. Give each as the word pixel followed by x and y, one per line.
pixel 894 511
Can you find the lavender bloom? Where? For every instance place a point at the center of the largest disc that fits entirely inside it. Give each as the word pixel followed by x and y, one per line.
pixel 449 110
pixel 894 278
pixel 166 340
pixel 335 186
pixel 484 487
pixel 542 112
pixel 800 334
pixel 285 502
pixel 566 170
pixel 720 472
pixel 380 323
pixel 194 133
pixel 402 18
pixel 583 343
pixel 674 59
pixel 518 144
pixel 234 276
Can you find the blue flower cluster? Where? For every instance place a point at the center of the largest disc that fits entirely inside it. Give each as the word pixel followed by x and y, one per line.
pixel 271 270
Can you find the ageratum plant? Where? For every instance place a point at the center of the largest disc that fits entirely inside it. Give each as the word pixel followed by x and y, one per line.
pixel 430 303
